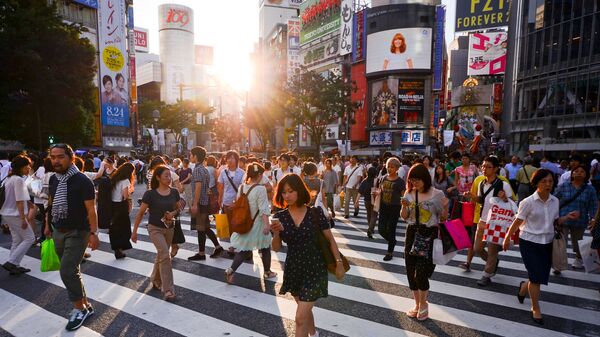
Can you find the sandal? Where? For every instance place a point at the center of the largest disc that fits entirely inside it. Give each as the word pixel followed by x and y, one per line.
pixel 412 313
pixel 269 274
pixel 174 250
pixel 155 286
pixel 169 296
pixel 423 314
pixel 229 275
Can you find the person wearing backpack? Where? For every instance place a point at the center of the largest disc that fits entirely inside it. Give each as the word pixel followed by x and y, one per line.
pixel 576 196
pixel 259 236
pixel 15 213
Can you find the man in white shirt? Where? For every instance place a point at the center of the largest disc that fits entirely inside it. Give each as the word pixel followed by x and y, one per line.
pixel 283 169
pixel 293 161
pixel 321 165
pixel 353 175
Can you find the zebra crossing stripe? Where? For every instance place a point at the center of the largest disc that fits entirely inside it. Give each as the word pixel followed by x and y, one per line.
pixel 454 316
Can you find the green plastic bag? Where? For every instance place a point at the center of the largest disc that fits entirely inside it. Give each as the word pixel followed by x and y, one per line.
pixel 50 260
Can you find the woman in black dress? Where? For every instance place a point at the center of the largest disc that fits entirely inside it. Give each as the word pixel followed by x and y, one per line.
pixel 120 228
pixel 305 273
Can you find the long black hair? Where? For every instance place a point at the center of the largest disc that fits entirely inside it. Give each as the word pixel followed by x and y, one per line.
pixel 125 171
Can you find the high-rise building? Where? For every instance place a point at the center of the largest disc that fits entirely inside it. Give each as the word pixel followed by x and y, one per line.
pixel 553 76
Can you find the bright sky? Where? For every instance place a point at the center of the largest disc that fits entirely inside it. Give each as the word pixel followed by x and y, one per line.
pixel 231 27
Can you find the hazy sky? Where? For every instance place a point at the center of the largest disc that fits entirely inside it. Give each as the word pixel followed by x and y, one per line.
pixel 231 27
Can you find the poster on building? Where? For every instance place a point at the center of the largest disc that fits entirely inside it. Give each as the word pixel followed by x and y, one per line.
pixel 438 52
pixel 320 52
pixel 359 35
pixel 412 137
pixel 411 101
pixel 399 49
pixel 380 138
pixel 487 53
pixel 203 55
pixel 384 102
pixel 498 95
pixel 319 17
pixel 479 15
pixel 346 28
pixel 141 39
pixel 281 3
pixel 293 47
pixel 114 89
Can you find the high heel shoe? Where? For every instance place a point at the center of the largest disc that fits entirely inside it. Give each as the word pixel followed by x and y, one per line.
pixel 539 321
pixel 519 297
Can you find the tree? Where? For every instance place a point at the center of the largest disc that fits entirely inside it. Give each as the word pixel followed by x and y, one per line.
pixel 46 82
pixel 263 121
pixel 228 130
pixel 315 101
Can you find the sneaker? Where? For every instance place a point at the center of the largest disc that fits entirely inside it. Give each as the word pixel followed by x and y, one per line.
pixel 77 318
pixel 23 270
pixel 11 268
pixel 217 252
pixel 90 310
pixel 465 266
pixel 577 264
pixel 484 281
pixel 197 257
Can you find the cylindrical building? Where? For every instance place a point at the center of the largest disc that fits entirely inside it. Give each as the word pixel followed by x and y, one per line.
pixel 176 38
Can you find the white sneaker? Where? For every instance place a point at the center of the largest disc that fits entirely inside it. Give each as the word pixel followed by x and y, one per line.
pixel 578 263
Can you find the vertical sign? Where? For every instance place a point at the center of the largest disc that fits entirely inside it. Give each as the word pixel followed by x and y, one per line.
pixel 497 100
pixel 346 28
pixel 436 113
pixel 359 35
pixel 293 47
pixel 114 93
pixel 141 39
pixel 438 56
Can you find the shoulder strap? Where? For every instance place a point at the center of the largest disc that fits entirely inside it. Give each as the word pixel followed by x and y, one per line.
pixel 574 197
pixel 526 175
pixel 351 173
pixel 230 180
pixel 417 213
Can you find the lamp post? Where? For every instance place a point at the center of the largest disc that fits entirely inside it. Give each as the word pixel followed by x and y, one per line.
pixel 156 117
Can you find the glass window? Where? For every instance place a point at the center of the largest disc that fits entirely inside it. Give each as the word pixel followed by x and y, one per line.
pixel 567 9
pixel 557 10
pixel 577 8
pixel 576 39
pixel 592 102
pixel 538 49
pixel 588 6
pixel 529 52
pixel 547 46
pixel 571 95
pixel 586 39
pixel 564 46
pixel 555 44
pixel 596 33
pixel 581 94
pixel 548 13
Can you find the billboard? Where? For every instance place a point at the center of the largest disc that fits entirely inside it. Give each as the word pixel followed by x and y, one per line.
pixel 346 28
pixel 384 138
pixel 114 89
pixel 384 102
pixel 487 53
pixel 479 15
pixel 399 49
pixel 141 39
pixel 319 17
pixel 411 101
pixel 175 17
pixel 438 53
pixel 359 35
pixel 320 52
pixel 380 138
pixel 293 47
pixel 281 3
pixel 203 55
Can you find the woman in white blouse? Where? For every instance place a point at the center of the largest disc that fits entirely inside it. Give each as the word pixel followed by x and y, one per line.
pixel 122 188
pixel 537 220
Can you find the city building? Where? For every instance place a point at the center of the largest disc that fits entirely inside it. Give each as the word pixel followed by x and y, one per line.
pixel 554 76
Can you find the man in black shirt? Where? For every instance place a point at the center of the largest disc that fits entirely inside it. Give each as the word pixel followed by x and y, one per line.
pixel 74 227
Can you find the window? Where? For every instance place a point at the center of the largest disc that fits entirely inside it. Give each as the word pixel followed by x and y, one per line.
pixel 567 9
pixel 547 46
pixel 581 94
pixel 588 6
pixel 592 102
pixel 577 8
pixel 548 13
pixel 564 46
pixel 576 39
pixel 529 52
pixel 596 32
pixel 556 10
pixel 555 44
pixel 586 39
pixel 538 49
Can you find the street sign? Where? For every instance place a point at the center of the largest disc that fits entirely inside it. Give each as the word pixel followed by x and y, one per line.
pixel 185 132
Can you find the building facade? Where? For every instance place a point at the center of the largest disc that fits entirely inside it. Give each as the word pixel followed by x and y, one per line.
pixel 555 76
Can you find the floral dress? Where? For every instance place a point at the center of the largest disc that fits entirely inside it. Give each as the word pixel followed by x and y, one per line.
pixel 305 272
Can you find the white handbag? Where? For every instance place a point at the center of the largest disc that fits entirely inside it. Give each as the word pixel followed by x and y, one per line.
pixel 319 201
pixel 438 253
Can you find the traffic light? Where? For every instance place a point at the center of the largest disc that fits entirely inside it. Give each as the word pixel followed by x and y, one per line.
pixel 51 139
pixel 343 134
pixel 291 138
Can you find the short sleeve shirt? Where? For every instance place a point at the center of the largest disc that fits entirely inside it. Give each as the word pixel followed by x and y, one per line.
pixel 538 218
pixel 392 191
pixel 79 189
pixel 487 204
pixel 353 175
pixel 159 204
pixel 229 192
pixel 201 176
pixel 15 190
pixel 117 192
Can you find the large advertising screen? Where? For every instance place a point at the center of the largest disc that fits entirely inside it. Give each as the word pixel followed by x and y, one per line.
pixel 411 101
pixel 319 17
pixel 399 49
pixel 114 89
pixel 479 15
pixel 487 53
pixel 384 102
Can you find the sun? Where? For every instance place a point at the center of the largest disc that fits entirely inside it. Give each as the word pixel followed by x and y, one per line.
pixel 235 70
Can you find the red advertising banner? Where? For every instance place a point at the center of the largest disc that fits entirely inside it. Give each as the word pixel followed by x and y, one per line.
pixel 497 100
pixel 141 39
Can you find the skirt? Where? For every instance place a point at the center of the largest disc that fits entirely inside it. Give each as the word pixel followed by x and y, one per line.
pixel 537 258
pixel 120 228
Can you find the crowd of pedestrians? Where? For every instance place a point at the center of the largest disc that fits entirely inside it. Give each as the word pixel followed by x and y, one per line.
pixel 290 201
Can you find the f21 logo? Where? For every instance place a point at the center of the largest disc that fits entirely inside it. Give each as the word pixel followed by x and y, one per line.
pixel 180 16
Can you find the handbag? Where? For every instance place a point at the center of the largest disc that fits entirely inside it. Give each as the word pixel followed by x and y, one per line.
pixel 222 224
pixel 213 202
pixel 559 252
pixel 467 213
pixel 448 244
pixel 324 246
pixel 319 201
pixel 337 203
pixel 178 236
pixel 455 209
pixel 459 234
pixel 421 243
pixel 438 255
pixel 376 200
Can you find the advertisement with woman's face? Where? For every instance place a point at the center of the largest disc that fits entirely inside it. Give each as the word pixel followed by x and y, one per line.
pixel 399 49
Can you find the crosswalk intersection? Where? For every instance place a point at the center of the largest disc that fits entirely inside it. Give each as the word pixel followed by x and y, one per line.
pixel 370 301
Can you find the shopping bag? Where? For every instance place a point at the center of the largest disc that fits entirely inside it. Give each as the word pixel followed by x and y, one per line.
pixel 337 204
pixel 455 209
pixel 459 234
pixel 438 253
pixel 591 261
pixel 342 195
pixel 50 260
pixel 319 203
pixel 496 233
pixel 559 253
pixel 447 240
pixel 468 212
pixel 222 225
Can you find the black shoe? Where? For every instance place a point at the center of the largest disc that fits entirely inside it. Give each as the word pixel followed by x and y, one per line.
pixel 519 297
pixel 197 257
pixel 370 235
pixel 355 213
pixel 23 270
pixel 388 257
pixel 217 252
pixel 539 321
pixel 11 268
pixel 119 255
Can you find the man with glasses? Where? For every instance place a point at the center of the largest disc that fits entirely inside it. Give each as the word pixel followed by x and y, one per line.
pixel 74 227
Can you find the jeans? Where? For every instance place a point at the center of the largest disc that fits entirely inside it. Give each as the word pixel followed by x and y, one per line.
pixel 70 247
pixel 162 273
pixel 22 239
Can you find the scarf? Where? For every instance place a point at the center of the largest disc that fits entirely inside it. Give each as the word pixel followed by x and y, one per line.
pixel 60 208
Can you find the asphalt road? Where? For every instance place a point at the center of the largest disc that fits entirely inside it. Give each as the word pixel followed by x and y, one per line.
pixel 370 301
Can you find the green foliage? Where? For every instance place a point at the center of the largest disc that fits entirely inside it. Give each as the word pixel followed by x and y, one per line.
pixel 227 129
pixel 315 101
pixel 263 121
pixel 173 116
pixel 47 70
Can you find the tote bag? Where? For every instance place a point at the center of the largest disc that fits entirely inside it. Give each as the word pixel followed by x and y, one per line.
pixel 439 257
pixel 468 213
pixel 559 253
pixel 459 234
pixel 222 224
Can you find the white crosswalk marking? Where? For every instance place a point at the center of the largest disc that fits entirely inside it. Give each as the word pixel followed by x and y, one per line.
pixel 371 301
